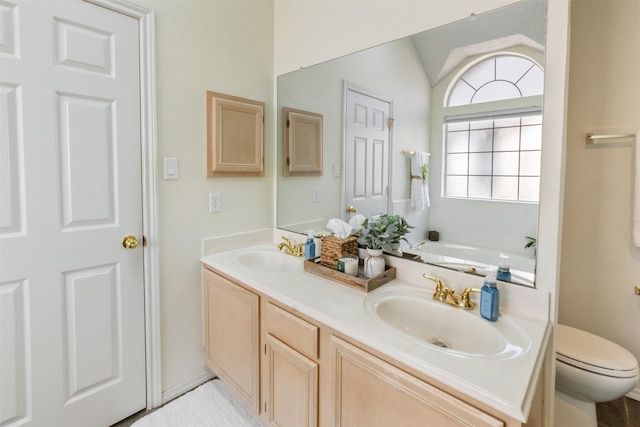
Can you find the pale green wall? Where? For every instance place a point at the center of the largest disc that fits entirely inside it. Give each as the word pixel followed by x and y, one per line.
pixel 223 46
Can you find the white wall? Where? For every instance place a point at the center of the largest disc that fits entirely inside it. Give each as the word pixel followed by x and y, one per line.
pixel 308 32
pixel 600 265
pixel 224 46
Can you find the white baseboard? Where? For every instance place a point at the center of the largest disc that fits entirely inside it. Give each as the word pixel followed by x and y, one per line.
pixel 634 394
pixel 186 386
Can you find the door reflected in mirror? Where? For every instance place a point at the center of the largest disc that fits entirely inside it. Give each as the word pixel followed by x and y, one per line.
pixel 489 173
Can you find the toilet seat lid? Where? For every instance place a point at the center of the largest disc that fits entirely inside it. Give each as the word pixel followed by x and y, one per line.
pixel 593 353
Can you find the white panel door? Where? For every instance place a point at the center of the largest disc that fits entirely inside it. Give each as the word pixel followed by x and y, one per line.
pixel 72 332
pixel 366 153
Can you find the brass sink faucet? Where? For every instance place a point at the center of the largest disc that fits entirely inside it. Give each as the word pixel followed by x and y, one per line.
pixel 290 249
pixel 448 296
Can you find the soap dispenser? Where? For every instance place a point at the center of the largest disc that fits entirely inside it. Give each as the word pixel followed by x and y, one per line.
pixel 504 269
pixel 490 299
pixel 310 246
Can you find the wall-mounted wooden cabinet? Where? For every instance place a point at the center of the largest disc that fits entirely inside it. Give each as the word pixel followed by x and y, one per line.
pixel 235 136
pixel 302 143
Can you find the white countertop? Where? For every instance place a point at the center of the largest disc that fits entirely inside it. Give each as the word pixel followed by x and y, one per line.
pixel 506 385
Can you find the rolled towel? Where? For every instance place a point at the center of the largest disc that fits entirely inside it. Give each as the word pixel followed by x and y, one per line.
pixel 419 183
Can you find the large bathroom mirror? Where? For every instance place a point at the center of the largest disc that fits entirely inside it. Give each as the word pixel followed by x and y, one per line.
pixel 433 88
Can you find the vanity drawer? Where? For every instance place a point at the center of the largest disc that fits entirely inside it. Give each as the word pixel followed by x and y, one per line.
pixel 295 332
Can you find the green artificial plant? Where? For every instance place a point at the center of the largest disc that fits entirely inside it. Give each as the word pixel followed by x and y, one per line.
pixel 380 232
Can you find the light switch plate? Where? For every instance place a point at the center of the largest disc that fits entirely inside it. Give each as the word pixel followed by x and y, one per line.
pixel 170 168
pixel 315 194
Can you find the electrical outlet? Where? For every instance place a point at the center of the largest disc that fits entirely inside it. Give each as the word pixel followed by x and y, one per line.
pixel 215 202
pixel 315 194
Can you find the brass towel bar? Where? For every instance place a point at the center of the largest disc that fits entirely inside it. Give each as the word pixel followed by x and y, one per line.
pixel 412 152
pixel 592 138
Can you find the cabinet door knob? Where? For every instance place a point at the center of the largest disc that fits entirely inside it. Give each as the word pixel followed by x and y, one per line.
pixel 351 210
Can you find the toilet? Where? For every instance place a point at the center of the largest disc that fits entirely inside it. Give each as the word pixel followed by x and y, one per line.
pixel 589 369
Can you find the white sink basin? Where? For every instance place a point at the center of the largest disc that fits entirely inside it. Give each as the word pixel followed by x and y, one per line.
pixel 269 260
pixel 414 314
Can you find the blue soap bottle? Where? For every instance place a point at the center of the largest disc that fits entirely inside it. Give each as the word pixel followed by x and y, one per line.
pixel 490 299
pixel 504 269
pixel 310 246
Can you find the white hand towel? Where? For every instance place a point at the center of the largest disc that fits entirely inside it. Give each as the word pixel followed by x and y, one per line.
pixel 419 184
pixel 636 195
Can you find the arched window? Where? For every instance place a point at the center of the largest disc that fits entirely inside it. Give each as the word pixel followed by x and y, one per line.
pixel 497 78
pixel 494 153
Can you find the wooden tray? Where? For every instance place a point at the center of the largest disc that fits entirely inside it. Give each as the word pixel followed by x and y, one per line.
pixel 358 282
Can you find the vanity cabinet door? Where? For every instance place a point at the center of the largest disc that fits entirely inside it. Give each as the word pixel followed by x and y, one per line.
pixel 368 391
pixel 232 347
pixel 291 386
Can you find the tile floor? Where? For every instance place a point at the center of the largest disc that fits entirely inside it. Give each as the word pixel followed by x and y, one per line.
pixel 623 412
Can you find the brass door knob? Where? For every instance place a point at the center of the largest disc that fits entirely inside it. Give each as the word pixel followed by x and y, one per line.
pixel 351 210
pixel 129 242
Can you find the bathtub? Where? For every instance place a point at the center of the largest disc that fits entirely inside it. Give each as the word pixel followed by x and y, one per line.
pixel 476 259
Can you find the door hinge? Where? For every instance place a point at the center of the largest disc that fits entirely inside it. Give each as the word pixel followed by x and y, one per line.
pixel 265 349
pixel 390 121
pixel 288 123
pixel 288 161
pixel 144 241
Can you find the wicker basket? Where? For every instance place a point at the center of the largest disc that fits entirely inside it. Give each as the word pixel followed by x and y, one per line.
pixel 333 248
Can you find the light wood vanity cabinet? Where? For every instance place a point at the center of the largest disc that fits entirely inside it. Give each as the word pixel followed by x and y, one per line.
pixel 232 336
pixel 290 369
pixel 295 372
pixel 367 391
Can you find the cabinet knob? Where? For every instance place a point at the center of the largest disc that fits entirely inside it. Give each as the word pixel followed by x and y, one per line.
pixel 351 210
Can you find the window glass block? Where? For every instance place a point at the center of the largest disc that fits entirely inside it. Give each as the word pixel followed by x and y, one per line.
pixel 456 186
pixel 458 142
pixel 507 139
pixel 481 140
pixel 532 120
pixel 505 163
pixel 531 137
pixel 505 188
pixel 480 187
pixel 457 164
pixel 507 122
pixel 496 90
pixel 481 73
pixel 512 68
pixel 453 126
pixel 530 163
pixel 460 94
pixel 481 124
pixel 480 163
pixel 529 189
pixel 532 83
